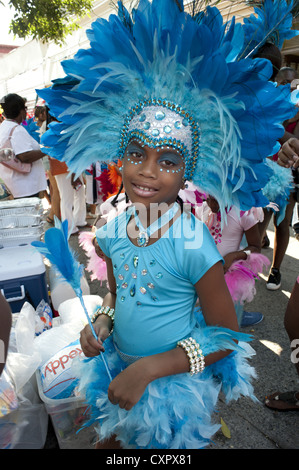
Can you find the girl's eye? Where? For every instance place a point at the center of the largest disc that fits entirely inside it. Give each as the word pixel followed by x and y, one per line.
pixel 133 152
pixel 167 163
pixel 170 160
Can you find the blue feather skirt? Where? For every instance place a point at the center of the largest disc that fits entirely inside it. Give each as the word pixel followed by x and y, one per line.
pixel 175 412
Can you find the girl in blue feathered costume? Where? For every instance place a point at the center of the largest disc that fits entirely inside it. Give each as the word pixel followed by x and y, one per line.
pixel 165 93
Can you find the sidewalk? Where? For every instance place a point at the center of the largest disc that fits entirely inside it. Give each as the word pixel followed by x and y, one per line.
pixel 252 425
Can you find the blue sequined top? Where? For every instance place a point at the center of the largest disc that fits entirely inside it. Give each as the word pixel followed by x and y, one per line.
pixel 155 284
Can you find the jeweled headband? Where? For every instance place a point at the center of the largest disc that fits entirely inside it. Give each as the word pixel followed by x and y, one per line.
pixel 158 123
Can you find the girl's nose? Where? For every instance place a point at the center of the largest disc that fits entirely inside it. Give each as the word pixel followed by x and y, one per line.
pixel 148 168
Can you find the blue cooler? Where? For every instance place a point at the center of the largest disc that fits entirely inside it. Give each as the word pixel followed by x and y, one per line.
pixel 22 276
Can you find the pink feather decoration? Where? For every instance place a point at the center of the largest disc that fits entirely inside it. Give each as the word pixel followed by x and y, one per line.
pixel 95 265
pixel 241 277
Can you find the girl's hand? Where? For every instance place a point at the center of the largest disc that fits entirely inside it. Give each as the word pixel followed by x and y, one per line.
pixel 128 387
pixel 90 346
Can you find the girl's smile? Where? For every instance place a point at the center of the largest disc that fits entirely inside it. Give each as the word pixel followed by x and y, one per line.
pixel 143 191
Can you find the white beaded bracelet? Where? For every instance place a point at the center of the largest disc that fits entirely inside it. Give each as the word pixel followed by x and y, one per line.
pixel 194 353
pixel 103 311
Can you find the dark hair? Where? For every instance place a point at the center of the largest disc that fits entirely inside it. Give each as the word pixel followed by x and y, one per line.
pixel 287 69
pixel 271 52
pixel 39 110
pixel 12 105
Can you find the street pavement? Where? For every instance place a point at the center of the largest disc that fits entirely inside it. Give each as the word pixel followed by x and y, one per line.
pixel 252 425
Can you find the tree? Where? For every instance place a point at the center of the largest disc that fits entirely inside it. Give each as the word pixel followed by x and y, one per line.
pixel 47 20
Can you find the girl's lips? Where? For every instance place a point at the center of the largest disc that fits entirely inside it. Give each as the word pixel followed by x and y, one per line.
pixel 143 191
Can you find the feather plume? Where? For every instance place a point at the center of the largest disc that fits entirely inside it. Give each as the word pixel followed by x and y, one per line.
pixel 272 22
pixel 279 187
pixel 242 275
pixel 57 250
pixel 32 128
pixel 96 266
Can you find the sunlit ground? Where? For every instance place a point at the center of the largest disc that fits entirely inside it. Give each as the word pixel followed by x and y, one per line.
pixel 293 252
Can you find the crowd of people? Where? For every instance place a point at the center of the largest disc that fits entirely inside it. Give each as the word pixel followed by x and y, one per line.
pixel 69 197
pixel 161 318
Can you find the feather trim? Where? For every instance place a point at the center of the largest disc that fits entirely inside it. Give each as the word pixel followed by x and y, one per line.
pixel 279 187
pixel 242 275
pixel 96 265
pixel 174 412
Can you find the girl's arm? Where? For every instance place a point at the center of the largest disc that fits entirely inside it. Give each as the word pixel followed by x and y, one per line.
pixel 31 156
pixel 218 309
pixel 254 245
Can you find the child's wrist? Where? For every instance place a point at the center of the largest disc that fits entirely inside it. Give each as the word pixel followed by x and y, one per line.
pixel 102 318
pixel 149 368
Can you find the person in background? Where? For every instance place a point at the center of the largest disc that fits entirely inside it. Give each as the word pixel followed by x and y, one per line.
pixel 229 242
pixel 288 156
pixel 40 115
pixel 282 230
pixel 72 196
pixel 25 148
pixel 53 188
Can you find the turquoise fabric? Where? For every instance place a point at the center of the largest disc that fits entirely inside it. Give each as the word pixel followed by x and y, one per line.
pixel 155 284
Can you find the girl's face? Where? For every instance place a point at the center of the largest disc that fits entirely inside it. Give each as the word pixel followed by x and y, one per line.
pixel 152 176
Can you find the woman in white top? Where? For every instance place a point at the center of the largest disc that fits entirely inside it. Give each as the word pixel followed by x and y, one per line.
pixel 24 147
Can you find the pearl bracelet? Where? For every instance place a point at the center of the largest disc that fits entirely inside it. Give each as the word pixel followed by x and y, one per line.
pixel 194 353
pixel 103 311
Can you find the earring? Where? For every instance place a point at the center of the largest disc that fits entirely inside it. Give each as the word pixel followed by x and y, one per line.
pixel 184 184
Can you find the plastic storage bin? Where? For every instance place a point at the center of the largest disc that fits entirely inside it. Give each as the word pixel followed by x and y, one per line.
pixel 68 415
pixel 22 276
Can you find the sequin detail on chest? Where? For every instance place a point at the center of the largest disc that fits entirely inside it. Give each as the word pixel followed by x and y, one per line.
pixel 137 279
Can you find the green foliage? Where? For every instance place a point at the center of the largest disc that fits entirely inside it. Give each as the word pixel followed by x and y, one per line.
pixel 47 20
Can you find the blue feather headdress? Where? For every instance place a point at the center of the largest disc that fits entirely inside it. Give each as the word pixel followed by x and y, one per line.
pixel 272 22
pixel 162 57
pixel 57 250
